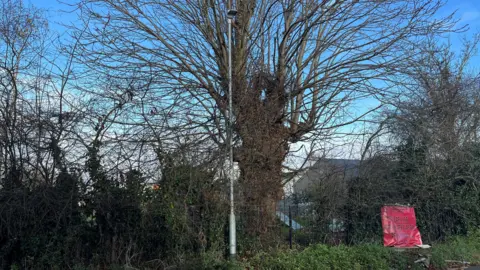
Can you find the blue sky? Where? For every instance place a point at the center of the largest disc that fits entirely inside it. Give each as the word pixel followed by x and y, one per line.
pixel 467 12
pixel 57 13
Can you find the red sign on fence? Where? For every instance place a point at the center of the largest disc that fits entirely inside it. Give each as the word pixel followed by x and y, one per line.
pixel 400 227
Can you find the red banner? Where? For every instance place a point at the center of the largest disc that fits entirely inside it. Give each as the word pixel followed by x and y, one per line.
pixel 400 227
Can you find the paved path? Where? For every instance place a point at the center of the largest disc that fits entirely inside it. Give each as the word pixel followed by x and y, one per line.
pixel 286 220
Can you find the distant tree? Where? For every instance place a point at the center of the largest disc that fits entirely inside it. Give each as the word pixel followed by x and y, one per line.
pixel 21 31
pixel 36 111
pixel 432 162
pixel 439 107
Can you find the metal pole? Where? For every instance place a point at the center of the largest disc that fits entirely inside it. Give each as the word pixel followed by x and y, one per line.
pixel 290 229
pixel 232 231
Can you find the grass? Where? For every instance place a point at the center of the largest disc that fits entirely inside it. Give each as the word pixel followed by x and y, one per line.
pixel 458 248
pixel 331 258
pixel 370 256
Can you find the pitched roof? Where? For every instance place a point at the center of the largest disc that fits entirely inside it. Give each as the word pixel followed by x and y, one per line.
pixel 345 168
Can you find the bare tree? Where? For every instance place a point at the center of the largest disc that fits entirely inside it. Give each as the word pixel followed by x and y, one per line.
pixel 21 29
pixel 298 66
pixel 37 111
pixel 439 105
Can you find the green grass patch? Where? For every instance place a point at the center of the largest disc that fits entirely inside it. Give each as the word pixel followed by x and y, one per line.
pixel 369 256
pixel 328 258
pixel 458 248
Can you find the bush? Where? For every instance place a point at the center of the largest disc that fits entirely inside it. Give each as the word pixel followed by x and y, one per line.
pixel 117 222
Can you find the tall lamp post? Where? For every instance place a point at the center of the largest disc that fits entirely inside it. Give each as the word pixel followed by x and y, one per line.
pixel 232 238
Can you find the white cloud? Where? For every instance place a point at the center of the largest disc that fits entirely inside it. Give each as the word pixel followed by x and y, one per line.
pixel 470 16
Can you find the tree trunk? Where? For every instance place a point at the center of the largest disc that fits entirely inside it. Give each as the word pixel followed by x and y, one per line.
pixel 261 183
pixel 264 147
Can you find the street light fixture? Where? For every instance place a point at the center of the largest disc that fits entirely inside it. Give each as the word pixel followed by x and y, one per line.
pixel 231 14
pixel 232 238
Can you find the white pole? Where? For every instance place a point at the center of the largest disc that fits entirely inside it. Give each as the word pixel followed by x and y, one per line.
pixel 232 231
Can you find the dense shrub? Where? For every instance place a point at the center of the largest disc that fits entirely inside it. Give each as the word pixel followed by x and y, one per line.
pixel 443 191
pixel 114 221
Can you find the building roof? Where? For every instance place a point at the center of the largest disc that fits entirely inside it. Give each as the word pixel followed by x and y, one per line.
pixel 327 168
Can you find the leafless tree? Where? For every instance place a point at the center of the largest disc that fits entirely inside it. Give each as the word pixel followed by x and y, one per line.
pixel 21 28
pixel 38 114
pixel 439 105
pixel 298 66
